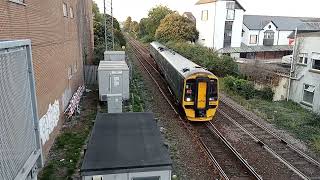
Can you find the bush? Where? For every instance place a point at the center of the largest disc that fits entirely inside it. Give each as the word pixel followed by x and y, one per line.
pixel 246 88
pixel 265 93
pixel 242 87
pixel 205 57
pixel 147 39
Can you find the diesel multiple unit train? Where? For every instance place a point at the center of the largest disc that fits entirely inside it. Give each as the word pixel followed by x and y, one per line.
pixel 194 88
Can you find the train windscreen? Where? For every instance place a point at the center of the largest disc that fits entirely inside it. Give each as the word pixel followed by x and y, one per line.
pixel 213 90
pixel 190 90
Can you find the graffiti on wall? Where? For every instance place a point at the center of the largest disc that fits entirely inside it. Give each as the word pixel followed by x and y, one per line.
pixel 49 121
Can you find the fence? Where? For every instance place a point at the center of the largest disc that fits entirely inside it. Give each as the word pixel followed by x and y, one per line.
pixel 91 75
pixel 20 150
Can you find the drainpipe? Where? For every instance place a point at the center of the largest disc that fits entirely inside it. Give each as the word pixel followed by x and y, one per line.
pixel 293 59
pixel 214 26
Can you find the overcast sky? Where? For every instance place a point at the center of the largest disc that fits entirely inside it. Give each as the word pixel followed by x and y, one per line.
pixel 138 9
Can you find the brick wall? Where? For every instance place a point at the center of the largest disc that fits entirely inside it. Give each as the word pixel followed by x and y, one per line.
pixel 58 43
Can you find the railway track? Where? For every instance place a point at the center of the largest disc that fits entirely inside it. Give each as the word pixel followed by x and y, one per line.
pixel 297 161
pixel 226 159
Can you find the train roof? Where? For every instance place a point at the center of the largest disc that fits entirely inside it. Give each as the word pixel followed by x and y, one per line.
pixel 182 64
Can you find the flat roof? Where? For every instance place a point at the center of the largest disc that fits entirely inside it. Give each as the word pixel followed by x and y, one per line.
pixel 125 142
pixel 259 48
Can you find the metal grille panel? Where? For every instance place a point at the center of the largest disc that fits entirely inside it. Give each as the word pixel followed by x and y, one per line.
pixel 17 134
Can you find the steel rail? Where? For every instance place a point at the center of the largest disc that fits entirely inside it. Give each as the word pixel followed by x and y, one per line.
pixel 216 132
pixel 310 159
pixel 265 146
pixel 211 157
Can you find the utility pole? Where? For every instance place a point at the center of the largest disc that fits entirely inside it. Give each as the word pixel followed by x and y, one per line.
pixel 112 26
pixel 292 63
pixel 105 23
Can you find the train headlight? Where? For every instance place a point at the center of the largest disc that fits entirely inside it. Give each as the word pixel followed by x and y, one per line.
pixel 188 99
pixel 211 99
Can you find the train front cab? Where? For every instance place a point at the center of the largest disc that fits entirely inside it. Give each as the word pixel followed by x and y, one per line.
pixel 200 98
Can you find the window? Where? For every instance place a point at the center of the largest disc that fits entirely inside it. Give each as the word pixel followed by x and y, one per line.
pixel 204 15
pixel 71 12
pixel 242 33
pixel 308 93
pixel 231 5
pixel 147 178
pixel 18 1
pixel 303 58
pixel 253 39
pixel 269 35
pixel 230 10
pixel 316 64
pixel 230 14
pixel 97 178
pixel 65 10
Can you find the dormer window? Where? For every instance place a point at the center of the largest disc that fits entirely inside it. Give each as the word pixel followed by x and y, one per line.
pixel 269 35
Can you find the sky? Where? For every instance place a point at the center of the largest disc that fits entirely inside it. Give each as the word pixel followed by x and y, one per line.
pixel 138 9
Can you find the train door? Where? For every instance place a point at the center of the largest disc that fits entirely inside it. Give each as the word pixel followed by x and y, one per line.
pixel 201 97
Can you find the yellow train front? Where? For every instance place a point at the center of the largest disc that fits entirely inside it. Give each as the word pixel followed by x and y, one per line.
pixel 194 88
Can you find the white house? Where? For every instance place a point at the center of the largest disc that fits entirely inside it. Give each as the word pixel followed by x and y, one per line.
pixel 269 30
pixel 305 86
pixel 219 23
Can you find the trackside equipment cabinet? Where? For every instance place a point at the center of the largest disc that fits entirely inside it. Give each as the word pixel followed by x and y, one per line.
pixel 114 56
pixel 113 78
pixel 126 146
pixel 20 148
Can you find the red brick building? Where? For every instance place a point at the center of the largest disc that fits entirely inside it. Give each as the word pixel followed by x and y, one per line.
pixel 61 32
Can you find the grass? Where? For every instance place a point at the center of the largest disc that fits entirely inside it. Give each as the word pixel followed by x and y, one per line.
pixel 66 152
pixel 289 116
pixel 137 99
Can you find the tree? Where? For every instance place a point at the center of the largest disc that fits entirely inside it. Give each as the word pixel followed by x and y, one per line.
pixel 99 37
pixel 143 27
pixel 155 16
pixel 176 28
pixel 134 29
pixel 127 24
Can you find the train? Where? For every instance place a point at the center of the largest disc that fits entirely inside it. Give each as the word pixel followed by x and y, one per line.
pixel 195 89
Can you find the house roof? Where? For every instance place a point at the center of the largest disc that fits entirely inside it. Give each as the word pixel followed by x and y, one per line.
pixel 211 1
pixel 205 1
pixel 128 142
pixel 283 23
pixel 248 49
pixel 306 28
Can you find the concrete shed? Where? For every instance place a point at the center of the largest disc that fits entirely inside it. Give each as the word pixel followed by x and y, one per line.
pixel 126 146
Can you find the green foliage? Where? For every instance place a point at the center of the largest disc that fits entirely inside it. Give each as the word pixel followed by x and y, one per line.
pixel 155 16
pixel 143 28
pixel 246 88
pixel 219 65
pixel 266 93
pixel 147 39
pixel 127 24
pixel 134 29
pixel 99 36
pixel 289 116
pixel 242 87
pixel 176 28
